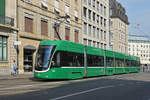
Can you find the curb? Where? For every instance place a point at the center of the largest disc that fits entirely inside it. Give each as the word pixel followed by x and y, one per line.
pixel 21 76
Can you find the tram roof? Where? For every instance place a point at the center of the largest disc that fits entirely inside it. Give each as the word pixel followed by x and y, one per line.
pixel 65 45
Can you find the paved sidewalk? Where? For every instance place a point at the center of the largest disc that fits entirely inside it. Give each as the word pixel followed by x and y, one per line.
pixel 19 76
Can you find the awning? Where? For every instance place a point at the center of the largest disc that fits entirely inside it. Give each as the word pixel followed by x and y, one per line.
pixel 29 47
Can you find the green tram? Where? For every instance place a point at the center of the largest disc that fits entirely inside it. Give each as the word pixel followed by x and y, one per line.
pixel 67 60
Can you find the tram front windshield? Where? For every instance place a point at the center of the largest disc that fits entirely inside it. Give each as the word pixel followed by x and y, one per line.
pixel 43 57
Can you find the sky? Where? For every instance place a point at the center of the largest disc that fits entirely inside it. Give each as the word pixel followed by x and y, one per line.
pixel 138 12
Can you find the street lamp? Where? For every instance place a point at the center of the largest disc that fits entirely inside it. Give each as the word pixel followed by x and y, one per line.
pixel 56 24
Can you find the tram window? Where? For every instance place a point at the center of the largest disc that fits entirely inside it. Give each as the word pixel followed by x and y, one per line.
pixel 94 61
pixel 128 63
pixel 56 60
pixel 137 63
pixel 133 63
pixel 120 63
pixel 68 59
pixel 109 62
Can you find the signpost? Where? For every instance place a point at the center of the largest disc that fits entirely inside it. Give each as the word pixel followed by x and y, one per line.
pixel 17 43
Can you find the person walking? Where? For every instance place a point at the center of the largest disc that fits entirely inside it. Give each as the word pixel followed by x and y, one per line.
pixel 15 69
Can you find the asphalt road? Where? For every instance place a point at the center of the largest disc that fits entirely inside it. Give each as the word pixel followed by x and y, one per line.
pixel 134 86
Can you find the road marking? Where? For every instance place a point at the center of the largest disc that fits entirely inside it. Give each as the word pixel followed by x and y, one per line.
pixel 131 83
pixel 139 82
pixel 121 84
pixel 78 93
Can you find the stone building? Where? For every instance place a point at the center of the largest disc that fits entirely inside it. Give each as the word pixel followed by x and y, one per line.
pixel 140 46
pixel 95 25
pixel 118 27
pixel 36 19
pixel 8 35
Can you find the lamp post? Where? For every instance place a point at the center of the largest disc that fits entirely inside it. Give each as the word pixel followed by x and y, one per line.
pixel 57 24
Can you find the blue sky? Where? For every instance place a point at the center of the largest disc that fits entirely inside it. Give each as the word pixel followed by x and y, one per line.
pixel 138 12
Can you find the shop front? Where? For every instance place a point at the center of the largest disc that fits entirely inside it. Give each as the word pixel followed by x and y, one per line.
pixel 28 58
pixel 27 53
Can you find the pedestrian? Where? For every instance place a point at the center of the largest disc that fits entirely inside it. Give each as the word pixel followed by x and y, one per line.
pixel 15 69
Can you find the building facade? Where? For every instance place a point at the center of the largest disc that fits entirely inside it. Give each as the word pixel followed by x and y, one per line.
pixel 118 27
pixel 8 35
pixel 36 19
pixel 95 24
pixel 140 46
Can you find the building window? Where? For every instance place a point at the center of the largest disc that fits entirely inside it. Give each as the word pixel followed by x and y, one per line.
pixel 76 33
pixel 94 43
pixel 76 15
pixel 110 23
pixel 89 30
pixel 44 27
pixel 111 35
pixel 97 33
pixel 84 11
pixel 102 45
pixel 97 44
pixel 89 2
pixel 89 14
pixel 97 19
pixel 44 4
pixel 101 20
pixel 28 25
pixel 94 31
pixel 94 16
pixel 89 43
pixel 3 48
pixel 94 3
pixel 56 7
pixel 28 1
pixel 85 1
pixel 104 22
pixel 97 6
pixel 67 10
pixel 101 34
pixel 105 11
pixel 104 35
pixel 101 8
pixel 67 35
pixel 85 28
pixel 85 41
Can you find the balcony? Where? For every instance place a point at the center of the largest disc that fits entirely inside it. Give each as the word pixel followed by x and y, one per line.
pixel 4 20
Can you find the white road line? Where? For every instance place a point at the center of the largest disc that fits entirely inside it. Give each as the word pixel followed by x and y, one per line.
pixel 131 83
pixel 121 84
pixel 78 93
pixel 139 82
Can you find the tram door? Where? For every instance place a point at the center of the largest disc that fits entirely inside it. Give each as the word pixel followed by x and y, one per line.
pixel 28 59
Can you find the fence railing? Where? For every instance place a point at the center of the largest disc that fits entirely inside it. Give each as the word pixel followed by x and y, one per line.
pixel 6 20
